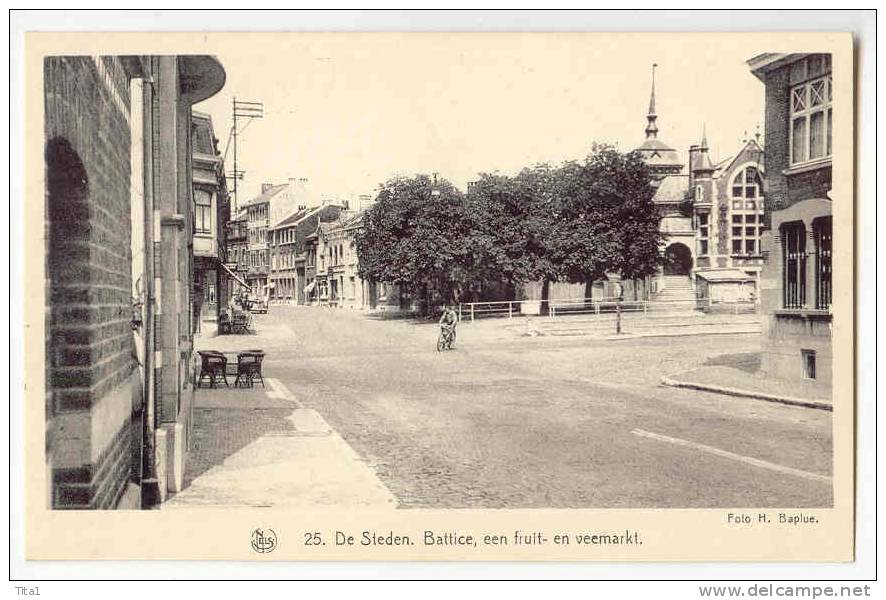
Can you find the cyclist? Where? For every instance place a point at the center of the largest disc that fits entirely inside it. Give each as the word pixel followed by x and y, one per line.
pixel 448 322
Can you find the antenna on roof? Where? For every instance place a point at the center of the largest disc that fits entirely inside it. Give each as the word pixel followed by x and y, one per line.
pixel 243 110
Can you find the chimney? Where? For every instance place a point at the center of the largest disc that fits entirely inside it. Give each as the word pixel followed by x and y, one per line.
pixel 266 186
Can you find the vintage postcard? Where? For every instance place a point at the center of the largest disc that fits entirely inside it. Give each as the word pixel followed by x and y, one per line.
pixel 439 296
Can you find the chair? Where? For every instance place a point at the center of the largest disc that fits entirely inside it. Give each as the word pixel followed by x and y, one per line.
pixel 224 323
pixel 240 323
pixel 249 368
pixel 213 365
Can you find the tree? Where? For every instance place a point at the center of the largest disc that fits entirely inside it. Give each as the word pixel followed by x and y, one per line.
pixel 605 218
pixel 417 235
pixel 512 226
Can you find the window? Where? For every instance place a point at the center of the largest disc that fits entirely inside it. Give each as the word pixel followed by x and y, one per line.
pixel 699 193
pixel 808 357
pixel 703 234
pixel 202 211
pixel 822 232
pixel 747 212
pixel 793 241
pixel 810 132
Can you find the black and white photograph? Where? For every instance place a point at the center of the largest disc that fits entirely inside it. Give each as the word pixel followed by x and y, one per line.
pixel 410 274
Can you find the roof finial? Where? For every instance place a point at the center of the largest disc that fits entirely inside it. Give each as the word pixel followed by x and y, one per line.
pixel 652 95
pixel 651 127
pixel 704 136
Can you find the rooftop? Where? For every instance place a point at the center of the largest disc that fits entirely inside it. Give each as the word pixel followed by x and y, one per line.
pixel 673 188
pixel 267 195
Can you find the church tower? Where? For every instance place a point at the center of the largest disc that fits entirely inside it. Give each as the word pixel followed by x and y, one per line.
pixel 661 159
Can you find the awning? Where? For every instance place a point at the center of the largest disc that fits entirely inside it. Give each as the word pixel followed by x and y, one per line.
pixel 234 276
pixel 310 287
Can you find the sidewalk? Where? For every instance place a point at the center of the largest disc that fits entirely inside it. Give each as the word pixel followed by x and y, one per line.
pixel 260 448
pixel 735 382
pixel 603 328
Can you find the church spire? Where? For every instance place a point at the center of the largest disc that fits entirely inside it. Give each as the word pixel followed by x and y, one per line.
pixel 651 127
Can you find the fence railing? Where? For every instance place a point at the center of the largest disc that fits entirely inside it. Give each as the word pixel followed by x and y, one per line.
pixel 479 310
pixel 600 306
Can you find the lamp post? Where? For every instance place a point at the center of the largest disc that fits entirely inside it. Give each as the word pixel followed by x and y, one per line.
pixel 615 278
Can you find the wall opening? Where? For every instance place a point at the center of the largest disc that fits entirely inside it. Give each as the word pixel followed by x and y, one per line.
pixel 808 357
pixel 677 259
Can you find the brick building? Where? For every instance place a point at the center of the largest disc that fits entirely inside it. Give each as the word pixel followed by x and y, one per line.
pixel 712 218
pixel 796 288
pixel 119 264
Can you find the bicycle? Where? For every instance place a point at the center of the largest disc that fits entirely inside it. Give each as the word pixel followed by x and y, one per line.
pixel 446 339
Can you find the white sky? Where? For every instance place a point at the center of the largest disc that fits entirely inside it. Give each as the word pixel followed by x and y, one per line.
pixel 349 111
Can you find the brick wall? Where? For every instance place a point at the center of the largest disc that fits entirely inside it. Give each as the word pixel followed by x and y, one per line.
pixel 89 344
pixel 777 140
pixel 786 335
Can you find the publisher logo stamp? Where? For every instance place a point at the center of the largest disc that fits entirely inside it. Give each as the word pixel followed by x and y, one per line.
pixel 264 540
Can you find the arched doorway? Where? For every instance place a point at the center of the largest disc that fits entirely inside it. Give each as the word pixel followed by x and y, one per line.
pixel 677 259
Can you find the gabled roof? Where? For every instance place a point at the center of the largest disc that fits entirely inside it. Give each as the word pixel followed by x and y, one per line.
pixel 295 217
pixel 266 196
pixel 750 145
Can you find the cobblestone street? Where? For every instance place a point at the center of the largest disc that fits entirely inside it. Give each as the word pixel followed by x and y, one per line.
pixel 497 423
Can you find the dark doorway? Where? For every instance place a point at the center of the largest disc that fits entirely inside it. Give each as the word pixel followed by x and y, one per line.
pixel 677 260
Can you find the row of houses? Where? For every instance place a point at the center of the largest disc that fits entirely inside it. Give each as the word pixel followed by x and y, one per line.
pixel 290 246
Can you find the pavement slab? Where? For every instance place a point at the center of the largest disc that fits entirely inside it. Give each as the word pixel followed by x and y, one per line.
pixel 260 448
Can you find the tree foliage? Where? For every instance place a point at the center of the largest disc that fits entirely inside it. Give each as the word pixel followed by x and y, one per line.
pixel 417 234
pixel 576 222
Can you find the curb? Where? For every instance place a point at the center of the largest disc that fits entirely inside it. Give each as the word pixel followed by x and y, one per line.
pixel 633 335
pixel 665 380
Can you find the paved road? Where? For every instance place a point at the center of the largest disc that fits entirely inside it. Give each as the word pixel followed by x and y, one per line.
pixel 542 422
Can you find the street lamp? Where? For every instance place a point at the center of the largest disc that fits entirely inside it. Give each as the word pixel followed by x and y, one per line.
pixel 615 278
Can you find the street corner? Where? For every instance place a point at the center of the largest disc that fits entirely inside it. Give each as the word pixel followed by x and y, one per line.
pixel 729 381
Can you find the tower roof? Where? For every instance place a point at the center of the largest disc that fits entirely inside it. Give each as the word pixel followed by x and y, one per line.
pixel 656 153
pixel 651 127
pixel 703 164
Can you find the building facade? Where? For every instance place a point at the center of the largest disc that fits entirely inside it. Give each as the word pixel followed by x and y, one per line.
pixel 265 211
pixel 288 278
pixel 212 209
pixel 119 270
pixel 796 283
pixel 711 218
pixel 237 255
pixel 337 278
